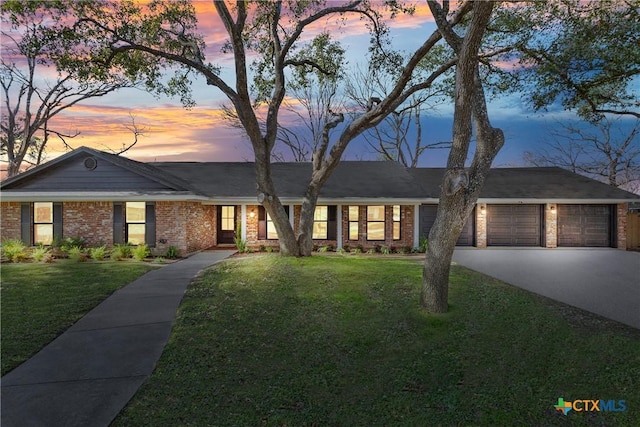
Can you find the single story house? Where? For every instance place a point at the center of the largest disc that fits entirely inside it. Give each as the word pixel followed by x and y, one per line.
pixel 108 199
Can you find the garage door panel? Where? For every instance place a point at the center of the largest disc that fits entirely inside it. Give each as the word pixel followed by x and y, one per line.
pixel 584 225
pixel 513 225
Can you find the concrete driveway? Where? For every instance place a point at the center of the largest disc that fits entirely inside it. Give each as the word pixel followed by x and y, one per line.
pixel 602 281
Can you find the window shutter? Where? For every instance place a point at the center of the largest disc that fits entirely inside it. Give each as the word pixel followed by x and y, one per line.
pixel 57 221
pixel 286 209
pixel 332 223
pixel 25 223
pixel 118 225
pixel 262 223
pixel 150 224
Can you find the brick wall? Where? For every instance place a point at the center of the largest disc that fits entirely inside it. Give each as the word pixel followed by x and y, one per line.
pixel 201 226
pixel 91 221
pixel 481 225
pixel 621 211
pixel 10 216
pixel 189 226
pixel 551 225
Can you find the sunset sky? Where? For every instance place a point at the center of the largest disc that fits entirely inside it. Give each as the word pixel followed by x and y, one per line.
pixel 173 133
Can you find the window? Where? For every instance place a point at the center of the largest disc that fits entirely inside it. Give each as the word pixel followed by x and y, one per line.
pixel 396 222
pixel 271 228
pixel 354 215
pixel 43 223
pixel 228 218
pixel 135 214
pixel 134 222
pixel 320 223
pixel 266 227
pixel 40 222
pixel 375 222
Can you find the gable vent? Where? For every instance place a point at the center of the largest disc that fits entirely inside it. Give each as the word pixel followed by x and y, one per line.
pixel 90 163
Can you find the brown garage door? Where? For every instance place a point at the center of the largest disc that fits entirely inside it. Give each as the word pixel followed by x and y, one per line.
pixel 514 225
pixel 584 225
pixel 428 217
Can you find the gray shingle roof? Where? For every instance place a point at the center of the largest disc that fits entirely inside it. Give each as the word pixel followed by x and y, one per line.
pixel 528 183
pixel 349 179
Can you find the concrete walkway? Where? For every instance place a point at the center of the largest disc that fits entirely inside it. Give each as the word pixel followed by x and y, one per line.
pixel 89 373
pixel 603 281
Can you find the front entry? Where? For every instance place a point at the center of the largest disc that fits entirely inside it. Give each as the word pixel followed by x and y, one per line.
pixel 226 224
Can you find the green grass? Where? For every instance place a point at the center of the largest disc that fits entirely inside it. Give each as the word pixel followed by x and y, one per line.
pixel 341 341
pixel 40 301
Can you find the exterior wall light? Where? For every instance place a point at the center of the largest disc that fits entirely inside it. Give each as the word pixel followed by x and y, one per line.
pixel 252 214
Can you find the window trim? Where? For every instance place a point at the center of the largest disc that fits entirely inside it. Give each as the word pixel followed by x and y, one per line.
pixel 383 222
pixel 51 224
pixel 325 221
pixel 128 222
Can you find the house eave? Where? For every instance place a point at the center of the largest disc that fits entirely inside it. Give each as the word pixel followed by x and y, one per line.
pixel 92 196
pixel 321 201
pixel 538 201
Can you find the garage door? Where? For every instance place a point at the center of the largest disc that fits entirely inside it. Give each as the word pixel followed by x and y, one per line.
pixel 584 225
pixel 428 217
pixel 513 225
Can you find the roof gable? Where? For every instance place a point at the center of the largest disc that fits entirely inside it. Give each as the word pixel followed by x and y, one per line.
pixel 85 169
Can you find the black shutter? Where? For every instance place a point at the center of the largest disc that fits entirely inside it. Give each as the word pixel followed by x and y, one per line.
pixel 118 225
pixel 25 223
pixel 150 224
pixel 286 209
pixel 332 222
pixel 57 221
pixel 262 223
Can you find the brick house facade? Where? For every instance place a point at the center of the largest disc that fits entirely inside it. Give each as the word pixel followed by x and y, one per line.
pixel 363 205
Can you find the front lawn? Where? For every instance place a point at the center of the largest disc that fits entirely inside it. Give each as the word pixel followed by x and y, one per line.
pixel 341 341
pixel 40 301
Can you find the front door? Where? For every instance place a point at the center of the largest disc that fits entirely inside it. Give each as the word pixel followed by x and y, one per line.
pixel 226 224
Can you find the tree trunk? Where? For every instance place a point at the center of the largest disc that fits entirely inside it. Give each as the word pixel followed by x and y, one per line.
pixel 305 228
pixel 460 188
pixel 452 213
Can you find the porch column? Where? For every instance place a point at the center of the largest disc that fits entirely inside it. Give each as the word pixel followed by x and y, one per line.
pixel 292 216
pixel 243 222
pixel 416 226
pixel 339 227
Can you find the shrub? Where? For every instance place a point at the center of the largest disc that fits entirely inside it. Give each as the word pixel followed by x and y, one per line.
pixel 328 248
pixel 14 250
pixel 121 251
pixel 140 252
pixel 158 260
pixel 41 254
pixel 71 242
pixel 371 251
pixel 262 248
pixel 341 251
pixel 357 250
pixel 172 252
pixel 99 253
pixel 269 249
pixel 424 242
pixel 77 254
pixel 385 250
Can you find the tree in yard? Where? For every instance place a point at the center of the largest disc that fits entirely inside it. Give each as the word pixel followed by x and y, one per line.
pixel 461 187
pixel 606 152
pixel 581 54
pixel 33 91
pixel 140 41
